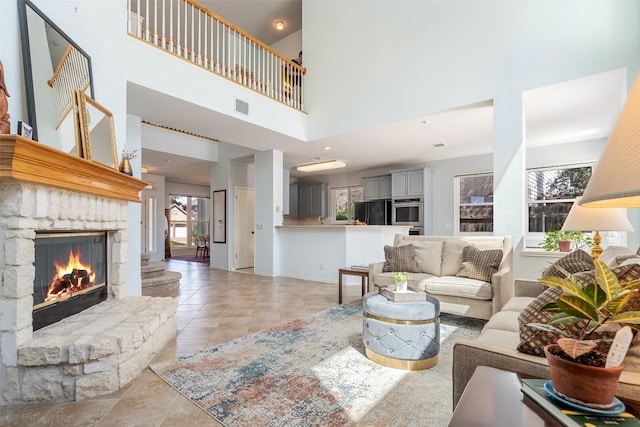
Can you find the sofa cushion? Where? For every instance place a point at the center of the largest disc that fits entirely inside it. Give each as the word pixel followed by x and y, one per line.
pixel 517 304
pixel 452 256
pixel 532 340
pixel 614 255
pixel 574 262
pixel 480 265
pixel 459 287
pixel 504 320
pixel 400 258
pixel 428 255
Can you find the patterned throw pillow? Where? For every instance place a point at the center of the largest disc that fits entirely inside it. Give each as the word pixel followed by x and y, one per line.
pixel 575 262
pixel 400 258
pixel 480 265
pixel 532 340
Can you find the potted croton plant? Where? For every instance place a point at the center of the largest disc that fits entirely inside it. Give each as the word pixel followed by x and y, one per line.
pixel 579 372
pixel 401 277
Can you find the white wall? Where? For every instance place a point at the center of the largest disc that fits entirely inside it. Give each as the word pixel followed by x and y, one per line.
pixel 290 46
pixel 158 192
pixel 419 57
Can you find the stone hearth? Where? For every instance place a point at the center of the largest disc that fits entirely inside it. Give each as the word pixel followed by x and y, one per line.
pixel 98 350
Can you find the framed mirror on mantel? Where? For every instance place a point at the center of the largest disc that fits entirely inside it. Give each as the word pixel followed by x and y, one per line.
pixel 54 66
pixel 97 131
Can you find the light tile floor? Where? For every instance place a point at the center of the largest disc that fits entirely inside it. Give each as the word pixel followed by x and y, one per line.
pixel 214 306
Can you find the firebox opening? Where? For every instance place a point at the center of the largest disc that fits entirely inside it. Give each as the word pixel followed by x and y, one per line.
pixel 70 274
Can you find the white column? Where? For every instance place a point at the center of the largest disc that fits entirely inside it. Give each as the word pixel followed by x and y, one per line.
pixel 269 190
pixel 509 171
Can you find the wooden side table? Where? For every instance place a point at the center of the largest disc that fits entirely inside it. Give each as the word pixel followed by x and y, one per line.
pixel 363 274
pixel 492 398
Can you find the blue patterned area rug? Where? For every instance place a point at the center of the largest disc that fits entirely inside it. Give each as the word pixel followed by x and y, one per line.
pixel 313 372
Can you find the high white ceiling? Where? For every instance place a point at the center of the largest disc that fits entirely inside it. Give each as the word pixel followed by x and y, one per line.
pixel 577 110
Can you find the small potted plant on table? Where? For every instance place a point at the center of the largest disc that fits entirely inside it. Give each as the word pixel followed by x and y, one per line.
pixel 401 277
pixel 578 371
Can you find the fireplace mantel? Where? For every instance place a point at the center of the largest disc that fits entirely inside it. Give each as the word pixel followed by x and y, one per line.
pixel 24 160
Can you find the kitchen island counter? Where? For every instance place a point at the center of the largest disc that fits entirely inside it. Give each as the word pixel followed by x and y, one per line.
pixel 316 252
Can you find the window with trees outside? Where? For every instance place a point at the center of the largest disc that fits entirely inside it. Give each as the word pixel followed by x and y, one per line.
pixel 343 202
pixel 189 219
pixel 474 203
pixel 550 195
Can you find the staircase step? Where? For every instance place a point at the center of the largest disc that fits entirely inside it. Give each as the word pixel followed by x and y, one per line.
pixel 167 285
pixel 153 269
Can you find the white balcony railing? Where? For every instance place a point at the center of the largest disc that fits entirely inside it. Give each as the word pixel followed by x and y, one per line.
pixel 71 73
pixel 190 31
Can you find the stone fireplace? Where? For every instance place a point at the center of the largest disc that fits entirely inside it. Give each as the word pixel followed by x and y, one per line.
pixel 80 352
pixel 70 274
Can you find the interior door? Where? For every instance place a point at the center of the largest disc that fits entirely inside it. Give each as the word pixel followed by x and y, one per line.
pixel 244 227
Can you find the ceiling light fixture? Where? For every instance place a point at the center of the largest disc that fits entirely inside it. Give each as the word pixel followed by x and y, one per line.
pixel 326 148
pixel 279 25
pixel 314 167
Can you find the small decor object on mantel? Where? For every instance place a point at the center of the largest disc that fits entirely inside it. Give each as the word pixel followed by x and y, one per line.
pixel 5 124
pixel 579 372
pixel 125 165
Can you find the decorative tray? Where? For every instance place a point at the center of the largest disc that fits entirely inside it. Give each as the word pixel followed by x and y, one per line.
pixel 402 296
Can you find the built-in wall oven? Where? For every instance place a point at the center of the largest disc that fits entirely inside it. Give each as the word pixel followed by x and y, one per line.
pixel 407 212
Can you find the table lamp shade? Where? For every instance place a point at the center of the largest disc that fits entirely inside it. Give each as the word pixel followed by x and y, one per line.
pixel 616 178
pixel 582 218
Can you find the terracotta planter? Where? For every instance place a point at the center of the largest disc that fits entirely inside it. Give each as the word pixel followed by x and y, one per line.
pixel 565 246
pixel 582 384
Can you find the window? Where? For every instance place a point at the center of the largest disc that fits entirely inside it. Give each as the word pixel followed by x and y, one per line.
pixel 189 219
pixel 344 200
pixel 474 203
pixel 550 194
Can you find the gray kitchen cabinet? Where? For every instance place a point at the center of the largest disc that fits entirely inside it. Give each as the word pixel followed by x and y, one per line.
pixel 294 205
pixel 376 187
pixel 312 200
pixel 409 183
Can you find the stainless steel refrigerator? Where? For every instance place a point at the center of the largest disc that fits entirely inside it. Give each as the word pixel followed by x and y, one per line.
pixel 375 212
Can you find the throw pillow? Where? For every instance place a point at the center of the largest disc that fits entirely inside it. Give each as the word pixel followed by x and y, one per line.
pixel 574 262
pixel 400 258
pixel 480 265
pixel 428 256
pixel 452 256
pixel 533 341
pixel 613 255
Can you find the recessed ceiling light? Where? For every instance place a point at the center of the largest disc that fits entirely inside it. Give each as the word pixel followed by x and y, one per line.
pixel 279 25
pixel 424 122
pixel 326 148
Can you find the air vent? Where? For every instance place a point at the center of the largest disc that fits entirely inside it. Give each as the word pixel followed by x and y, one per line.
pixel 242 107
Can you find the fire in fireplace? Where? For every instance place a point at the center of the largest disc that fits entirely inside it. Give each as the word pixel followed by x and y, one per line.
pixel 70 274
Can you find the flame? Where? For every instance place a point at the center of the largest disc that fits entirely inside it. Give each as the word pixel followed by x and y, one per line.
pixel 73 264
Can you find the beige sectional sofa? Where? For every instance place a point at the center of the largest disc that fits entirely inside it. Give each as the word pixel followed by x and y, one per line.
pixel 498 342
pixel 439 259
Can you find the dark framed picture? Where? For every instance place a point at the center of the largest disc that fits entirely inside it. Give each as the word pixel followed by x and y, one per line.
pixel 220 216
pixel 25 130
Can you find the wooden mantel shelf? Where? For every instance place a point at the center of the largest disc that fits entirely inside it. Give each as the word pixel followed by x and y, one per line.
pixel 24 160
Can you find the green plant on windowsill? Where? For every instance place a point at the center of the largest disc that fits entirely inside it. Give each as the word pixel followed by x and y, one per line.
pixel 576 239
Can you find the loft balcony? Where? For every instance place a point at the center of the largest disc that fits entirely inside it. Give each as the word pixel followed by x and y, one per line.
pixel 195 34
